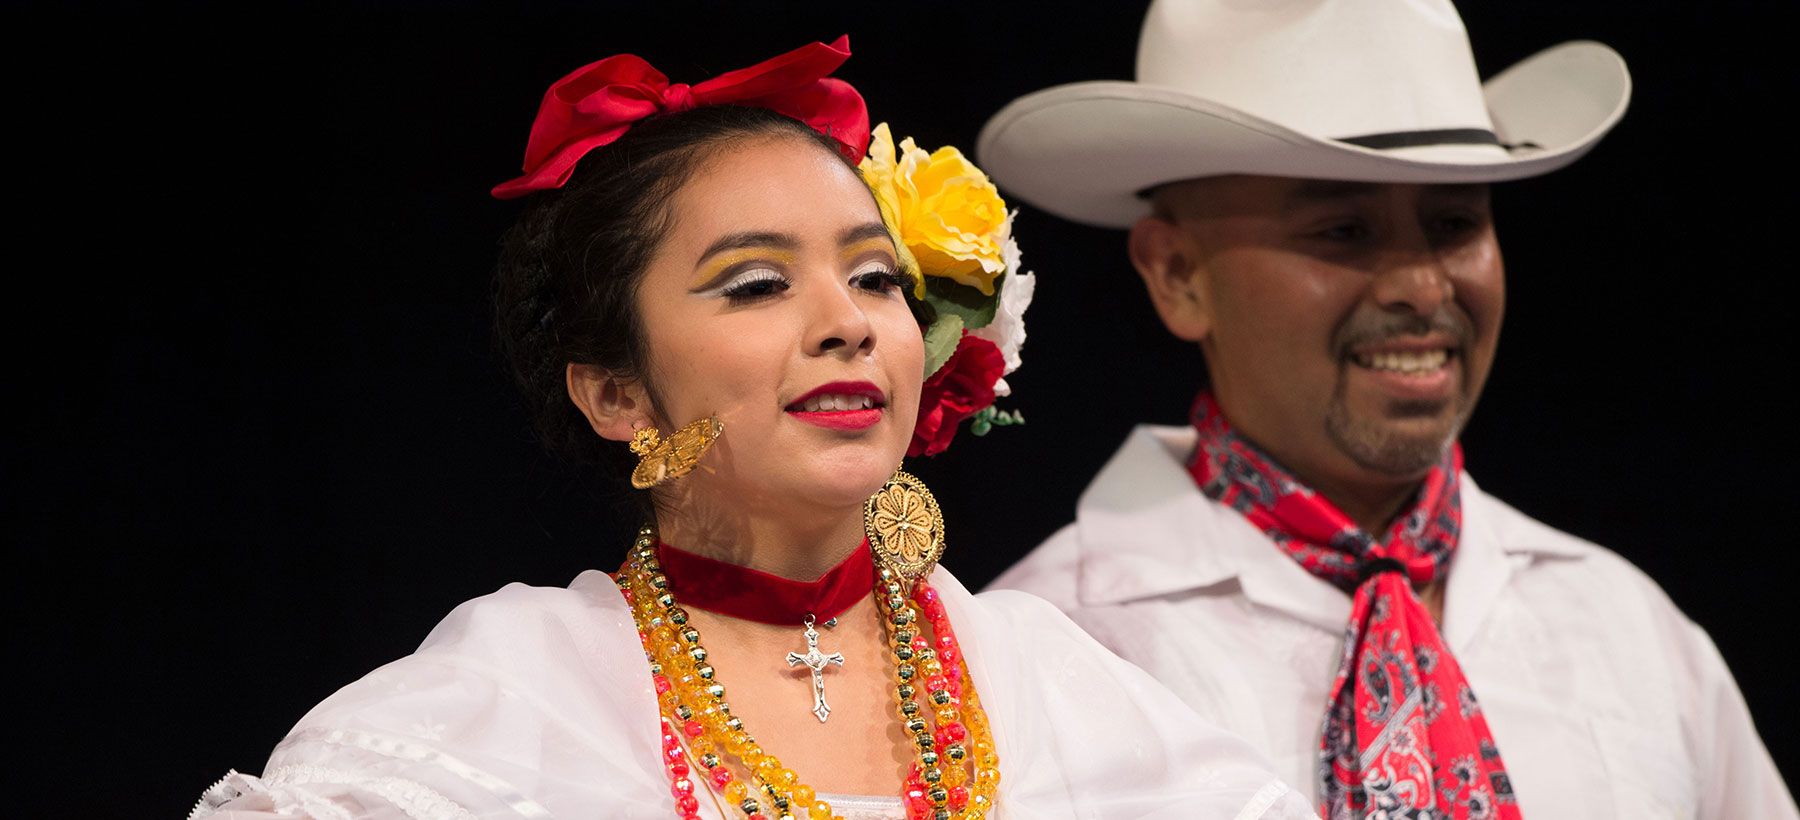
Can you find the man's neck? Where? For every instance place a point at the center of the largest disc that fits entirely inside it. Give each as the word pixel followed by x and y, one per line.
pixel 1373 508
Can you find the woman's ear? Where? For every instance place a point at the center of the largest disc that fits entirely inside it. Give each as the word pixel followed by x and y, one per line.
pixel 615 407
pixel 1170 265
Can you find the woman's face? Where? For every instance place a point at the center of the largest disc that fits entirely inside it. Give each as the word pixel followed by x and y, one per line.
pixel 775 301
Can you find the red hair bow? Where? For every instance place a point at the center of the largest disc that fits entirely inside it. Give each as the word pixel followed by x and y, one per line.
pixel 597 103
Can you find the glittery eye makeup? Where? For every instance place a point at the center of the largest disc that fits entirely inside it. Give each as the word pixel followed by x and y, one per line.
pixel 720 266
pixel 751 284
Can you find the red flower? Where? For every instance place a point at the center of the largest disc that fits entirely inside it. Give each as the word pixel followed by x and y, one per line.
pixel 964 385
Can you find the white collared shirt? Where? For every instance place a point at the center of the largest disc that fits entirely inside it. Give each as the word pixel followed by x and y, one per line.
pixel 1604 699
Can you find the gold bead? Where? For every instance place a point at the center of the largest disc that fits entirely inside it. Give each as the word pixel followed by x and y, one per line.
pixel 735 791
pixel 820 810
pixel 803 796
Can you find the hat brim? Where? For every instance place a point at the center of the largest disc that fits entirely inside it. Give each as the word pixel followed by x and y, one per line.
pixel 1087 151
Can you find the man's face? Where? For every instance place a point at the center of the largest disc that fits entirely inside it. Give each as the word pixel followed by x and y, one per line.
pixel 1348 327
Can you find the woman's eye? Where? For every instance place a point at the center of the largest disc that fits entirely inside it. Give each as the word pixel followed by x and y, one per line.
pixel 881 278
pixel 752 285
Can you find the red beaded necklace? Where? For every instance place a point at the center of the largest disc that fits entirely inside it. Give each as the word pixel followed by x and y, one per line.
pixel 957 773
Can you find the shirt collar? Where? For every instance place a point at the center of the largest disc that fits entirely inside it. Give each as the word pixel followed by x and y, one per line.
pixel 1145 531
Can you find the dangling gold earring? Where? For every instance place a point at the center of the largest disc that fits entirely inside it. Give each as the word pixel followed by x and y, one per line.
pixel 665 459
pixel 904 526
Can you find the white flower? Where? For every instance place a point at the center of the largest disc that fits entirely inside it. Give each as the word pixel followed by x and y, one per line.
pixel 1007 331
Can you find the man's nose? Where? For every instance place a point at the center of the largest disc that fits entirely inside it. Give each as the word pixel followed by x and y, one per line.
pixel 1413 278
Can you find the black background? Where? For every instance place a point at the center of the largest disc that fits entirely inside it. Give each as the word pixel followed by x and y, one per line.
pixel 261 440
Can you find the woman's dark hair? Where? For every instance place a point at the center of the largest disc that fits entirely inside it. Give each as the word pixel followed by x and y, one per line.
pixel 567 280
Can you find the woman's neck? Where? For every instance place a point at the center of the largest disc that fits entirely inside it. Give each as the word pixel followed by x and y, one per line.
pixel 781 539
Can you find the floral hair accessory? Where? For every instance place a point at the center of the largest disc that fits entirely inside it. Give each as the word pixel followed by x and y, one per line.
pixel 949 220
pixel 597 103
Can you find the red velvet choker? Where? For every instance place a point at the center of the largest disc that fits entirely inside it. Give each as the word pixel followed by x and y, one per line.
pixel 753 595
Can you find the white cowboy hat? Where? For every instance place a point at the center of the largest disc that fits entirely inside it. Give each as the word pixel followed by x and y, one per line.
pixel 1362 90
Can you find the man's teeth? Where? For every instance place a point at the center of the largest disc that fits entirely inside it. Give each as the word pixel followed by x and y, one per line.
pixel 833 403
pixel 1423 361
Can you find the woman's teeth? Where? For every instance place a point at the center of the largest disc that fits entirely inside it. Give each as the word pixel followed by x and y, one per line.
pixel 1423 361
pixel 833 403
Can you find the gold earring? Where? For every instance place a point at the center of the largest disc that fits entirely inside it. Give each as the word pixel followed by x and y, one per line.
pixel 904 526
pixel 665 459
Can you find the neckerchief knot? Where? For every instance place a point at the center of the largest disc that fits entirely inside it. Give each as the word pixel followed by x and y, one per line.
pixel 1404 735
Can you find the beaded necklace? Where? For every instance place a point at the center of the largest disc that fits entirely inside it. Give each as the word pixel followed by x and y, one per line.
pixel 954 742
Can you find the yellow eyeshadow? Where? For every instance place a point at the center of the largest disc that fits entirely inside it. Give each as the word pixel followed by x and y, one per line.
pixel 873 243
pixel 721 262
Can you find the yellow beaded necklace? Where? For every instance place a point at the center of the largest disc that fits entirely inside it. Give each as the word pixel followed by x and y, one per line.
pixel 953 746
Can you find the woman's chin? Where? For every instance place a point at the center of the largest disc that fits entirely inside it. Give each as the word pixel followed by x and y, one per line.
pixel 844 478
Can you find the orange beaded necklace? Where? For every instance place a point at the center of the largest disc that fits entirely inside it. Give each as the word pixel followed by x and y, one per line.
pixel 955 743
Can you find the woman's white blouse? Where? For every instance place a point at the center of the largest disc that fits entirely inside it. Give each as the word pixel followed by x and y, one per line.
pixel 536 702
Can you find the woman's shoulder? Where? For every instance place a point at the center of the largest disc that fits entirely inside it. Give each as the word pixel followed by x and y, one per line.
pixel 1029 660
pixel 522 620
pixel 512 694
pixel 555 648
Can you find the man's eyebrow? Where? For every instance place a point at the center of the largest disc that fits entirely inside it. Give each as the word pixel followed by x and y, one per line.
pixel 749 239
pixel 1319 190
pixel 1459 190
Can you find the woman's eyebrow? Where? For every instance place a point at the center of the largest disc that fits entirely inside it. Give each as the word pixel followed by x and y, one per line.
pixel 749 239
pixel 867 230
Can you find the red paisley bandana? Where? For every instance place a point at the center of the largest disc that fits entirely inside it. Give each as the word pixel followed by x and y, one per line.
pixel 1404 736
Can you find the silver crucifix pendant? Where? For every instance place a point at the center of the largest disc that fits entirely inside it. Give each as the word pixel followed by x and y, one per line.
pixel 816 660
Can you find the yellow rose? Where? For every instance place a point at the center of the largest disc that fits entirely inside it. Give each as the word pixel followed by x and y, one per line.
pixel 943 209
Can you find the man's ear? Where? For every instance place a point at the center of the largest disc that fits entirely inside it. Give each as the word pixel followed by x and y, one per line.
pixel 615 407
pixel 1170 265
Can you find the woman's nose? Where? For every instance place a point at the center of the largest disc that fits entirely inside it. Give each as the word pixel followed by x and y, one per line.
pixel 838 323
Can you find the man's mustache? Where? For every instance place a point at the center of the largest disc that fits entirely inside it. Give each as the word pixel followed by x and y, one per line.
pixel 1372 328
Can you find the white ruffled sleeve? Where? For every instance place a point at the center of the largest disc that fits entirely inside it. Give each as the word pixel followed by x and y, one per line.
pixel 516 706
pixel 1083 734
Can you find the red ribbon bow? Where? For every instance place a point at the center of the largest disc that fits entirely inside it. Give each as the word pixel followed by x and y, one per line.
pixel 598 103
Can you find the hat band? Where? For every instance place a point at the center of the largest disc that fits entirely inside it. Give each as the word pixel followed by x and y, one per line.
pixel 1412 139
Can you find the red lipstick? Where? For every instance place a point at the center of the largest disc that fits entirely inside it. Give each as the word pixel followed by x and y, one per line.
pixel 840 406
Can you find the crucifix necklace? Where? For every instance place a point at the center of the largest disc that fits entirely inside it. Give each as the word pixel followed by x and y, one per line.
pixel 816 661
